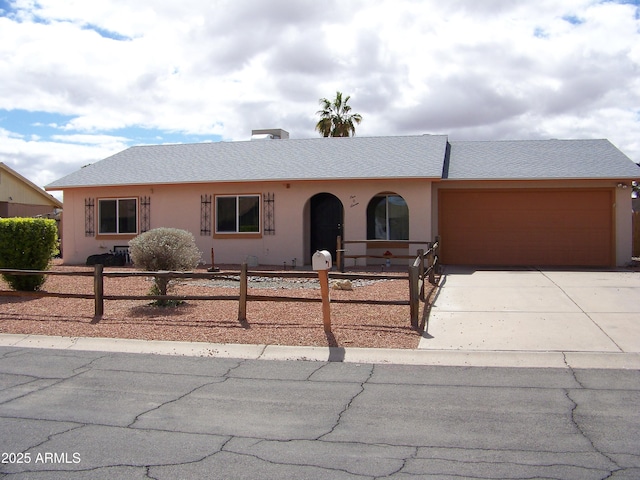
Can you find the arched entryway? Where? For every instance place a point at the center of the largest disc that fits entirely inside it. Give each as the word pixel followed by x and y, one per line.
pixel 326 218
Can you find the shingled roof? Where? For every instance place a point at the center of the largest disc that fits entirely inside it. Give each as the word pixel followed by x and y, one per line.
pixel 265 160
pixel 424 156
pixel 537 160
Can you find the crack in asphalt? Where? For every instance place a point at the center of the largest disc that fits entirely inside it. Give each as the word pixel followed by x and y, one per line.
pixel 258 440
pixel 12 353
pixel 511 463
pixel 402 459
pixel 575 422
pixel 220 379
pixel 297 464
pixel 322 365
pixel 147 467
pixel 53 435
pixel 571 369
pixel 247 445
pixel 56 381
pixel 89 366
pixel 584 434
pixel 402 467
pixel 347 406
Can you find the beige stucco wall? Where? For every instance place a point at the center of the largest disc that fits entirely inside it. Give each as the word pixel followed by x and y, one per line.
pixel 622 215
pixel 624 226
pixel 179 206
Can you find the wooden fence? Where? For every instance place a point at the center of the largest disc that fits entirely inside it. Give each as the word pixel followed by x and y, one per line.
pixel 342 255
pixel 242 298
pixel 422 269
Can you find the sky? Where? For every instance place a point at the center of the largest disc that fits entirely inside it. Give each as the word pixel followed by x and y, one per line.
pixel 81 80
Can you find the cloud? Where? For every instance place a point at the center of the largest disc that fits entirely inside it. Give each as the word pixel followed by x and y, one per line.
pixel 102 140
pixel 41 161
pixel 206 69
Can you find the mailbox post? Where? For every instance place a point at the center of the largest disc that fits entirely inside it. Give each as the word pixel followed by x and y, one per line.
pixel 321 263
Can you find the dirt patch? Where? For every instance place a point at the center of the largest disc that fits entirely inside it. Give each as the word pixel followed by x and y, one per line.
pixel 270 323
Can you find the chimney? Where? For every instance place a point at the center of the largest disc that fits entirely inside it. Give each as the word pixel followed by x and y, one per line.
pixel 269 134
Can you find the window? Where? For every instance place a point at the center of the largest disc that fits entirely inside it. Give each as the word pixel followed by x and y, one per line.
pixel 238 214
pixel 387 218
pixel 118 216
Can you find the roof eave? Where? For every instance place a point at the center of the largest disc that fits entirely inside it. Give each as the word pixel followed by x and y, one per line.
pixel 55 188
pixel 539 179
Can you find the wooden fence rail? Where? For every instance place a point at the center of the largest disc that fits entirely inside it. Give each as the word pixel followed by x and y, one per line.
pixel 423 268
pixel 341 251
pixel 242 276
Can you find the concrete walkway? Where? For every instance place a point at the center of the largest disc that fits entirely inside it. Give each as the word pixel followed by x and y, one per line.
pixel 535 311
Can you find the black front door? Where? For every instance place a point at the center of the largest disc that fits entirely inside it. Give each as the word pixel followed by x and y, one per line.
pixel 327 216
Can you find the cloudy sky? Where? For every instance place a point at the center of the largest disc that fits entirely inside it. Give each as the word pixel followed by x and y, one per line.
pixel 81 80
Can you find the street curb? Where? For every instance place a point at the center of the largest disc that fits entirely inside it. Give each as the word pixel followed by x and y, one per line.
pixel 518 359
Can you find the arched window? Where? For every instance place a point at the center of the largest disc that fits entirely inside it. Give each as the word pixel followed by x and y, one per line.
pixel 387 218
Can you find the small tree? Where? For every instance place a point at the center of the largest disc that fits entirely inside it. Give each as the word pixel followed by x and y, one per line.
pixel 336 119
pixel 164 249
pixel 27 244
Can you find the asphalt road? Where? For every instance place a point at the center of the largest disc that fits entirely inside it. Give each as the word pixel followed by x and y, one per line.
pixel 86 415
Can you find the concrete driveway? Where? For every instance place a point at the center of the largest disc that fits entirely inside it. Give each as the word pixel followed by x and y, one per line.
pixel 535 310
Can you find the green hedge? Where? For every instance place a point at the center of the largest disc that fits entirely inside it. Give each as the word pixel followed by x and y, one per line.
pixel 27 244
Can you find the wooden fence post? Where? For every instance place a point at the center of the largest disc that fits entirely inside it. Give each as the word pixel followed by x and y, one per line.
pixel 242 302
pixel 323 277
pixel 339 253
pixel 414 295
pixel 98 290
pixel 431 266
pixel 435 260
pixel 421 273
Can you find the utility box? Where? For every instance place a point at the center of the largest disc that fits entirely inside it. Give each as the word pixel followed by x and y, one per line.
pixel 321 260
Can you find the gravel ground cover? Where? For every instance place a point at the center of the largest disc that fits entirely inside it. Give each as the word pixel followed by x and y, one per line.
pixel 271 323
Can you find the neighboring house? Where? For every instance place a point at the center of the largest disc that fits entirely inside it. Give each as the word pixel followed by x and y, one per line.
pixel 276 201
pixel 21 198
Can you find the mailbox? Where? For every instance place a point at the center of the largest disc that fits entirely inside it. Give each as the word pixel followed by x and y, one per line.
pixel 321 260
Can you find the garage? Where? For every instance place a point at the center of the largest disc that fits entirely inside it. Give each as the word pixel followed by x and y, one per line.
pixel 519 227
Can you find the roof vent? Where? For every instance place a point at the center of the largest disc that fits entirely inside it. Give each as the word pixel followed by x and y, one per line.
pixel 269 134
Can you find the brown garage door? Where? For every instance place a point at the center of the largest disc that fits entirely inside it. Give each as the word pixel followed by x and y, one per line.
pixel 526 227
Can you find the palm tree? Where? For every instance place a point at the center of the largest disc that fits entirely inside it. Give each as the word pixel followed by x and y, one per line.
pixel 336 119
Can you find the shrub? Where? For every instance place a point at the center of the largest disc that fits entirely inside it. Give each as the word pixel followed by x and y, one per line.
pixel 27 244
pixel 164 249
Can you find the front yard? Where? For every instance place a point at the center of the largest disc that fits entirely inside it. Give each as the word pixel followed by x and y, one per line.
pixel 271 323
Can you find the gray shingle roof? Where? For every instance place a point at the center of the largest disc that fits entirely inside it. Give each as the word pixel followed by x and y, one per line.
pixel 538 159
pixel 293 159
pixel 425 156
